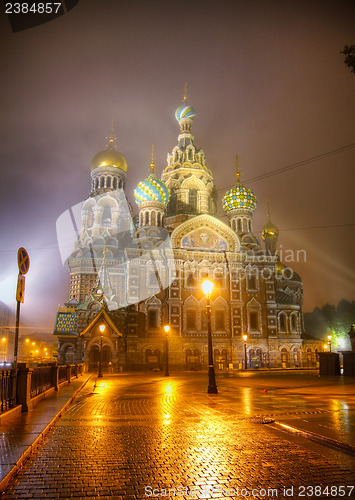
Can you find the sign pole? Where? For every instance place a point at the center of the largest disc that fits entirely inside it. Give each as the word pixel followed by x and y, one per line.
pixel 23 261
pixel 16 335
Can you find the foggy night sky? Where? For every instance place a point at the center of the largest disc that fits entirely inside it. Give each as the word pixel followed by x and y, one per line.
pixel 266 79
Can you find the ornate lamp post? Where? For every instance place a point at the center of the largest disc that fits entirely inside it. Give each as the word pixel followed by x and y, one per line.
pixel 207 287
pixel 245 336
pixel 166 329
pixel 102 329
pixel 330 342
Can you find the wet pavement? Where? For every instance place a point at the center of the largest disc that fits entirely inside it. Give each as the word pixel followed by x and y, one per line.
pixel 135 436
pixel 21 432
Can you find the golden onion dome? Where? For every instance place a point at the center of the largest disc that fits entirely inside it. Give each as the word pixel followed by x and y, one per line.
pixel 279 267
pixel 269 231
pixel 110 157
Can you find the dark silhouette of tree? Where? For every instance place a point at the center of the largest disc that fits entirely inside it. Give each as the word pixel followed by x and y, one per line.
pixel 349 53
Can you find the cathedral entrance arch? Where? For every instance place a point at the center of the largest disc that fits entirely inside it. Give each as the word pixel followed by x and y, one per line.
pixel 94 357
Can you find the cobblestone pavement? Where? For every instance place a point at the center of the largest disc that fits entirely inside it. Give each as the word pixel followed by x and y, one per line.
pixel 137 436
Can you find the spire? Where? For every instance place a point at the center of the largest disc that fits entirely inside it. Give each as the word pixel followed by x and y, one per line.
pixel 185 94
pixel 152 163
pixel 112 139
pixel 103 278
pixel 237 174
pixel 269 231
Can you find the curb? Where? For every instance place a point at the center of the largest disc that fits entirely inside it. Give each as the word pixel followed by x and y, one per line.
pixel 32 447
pixel 325 441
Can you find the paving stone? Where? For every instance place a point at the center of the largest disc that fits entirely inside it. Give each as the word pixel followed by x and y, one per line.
pixel 182 439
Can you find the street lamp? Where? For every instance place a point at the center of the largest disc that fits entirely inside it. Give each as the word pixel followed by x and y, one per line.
pixel 245 336
pixel 102 329
pixel 207 287
pixel 330 342
pixel 166 329
pixel 4 348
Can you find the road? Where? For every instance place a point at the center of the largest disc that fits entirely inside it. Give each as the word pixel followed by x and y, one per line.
pixel 136 436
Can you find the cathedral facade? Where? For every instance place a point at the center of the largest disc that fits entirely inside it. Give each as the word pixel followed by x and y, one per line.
pixel 132 274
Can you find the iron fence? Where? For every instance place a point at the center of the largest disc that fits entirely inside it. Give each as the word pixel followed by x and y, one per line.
pixel 62 373
pixel 6 389
pixel 41 380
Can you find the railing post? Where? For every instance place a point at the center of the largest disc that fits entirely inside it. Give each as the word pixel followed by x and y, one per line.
pixel 24 376
pixel 76 370
pixel 69 373
pixel 55 376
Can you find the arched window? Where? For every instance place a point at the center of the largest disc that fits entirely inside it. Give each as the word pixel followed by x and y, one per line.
pixel 239 225
pixel 220 320
pixel 158 219
pixel 114 183
pixel 108 182
pixel 254 320
pixel 191 319
pixel 152 219
pixel 192 201
pixel 102 182
pixel 171 209
pixel 190 279
pixel 282 322
pixel 293 323
pixel 146 221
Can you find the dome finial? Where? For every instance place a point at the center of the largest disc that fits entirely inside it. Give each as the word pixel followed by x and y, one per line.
pixel 152 163
pixel 268 210
pixel 112 138
pixel 185 94
pixel 237 174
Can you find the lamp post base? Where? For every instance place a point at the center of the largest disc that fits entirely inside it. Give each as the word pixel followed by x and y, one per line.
pixel 212 386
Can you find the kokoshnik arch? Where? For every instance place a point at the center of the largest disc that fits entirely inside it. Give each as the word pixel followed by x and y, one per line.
pixel 136 273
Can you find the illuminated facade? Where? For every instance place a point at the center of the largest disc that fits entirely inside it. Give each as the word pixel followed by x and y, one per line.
pixel 118 281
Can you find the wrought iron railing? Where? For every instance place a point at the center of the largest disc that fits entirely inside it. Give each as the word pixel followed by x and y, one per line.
pixel 41 380
pixel 6 389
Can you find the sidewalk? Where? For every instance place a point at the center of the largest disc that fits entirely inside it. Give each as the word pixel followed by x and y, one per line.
pixel 19 437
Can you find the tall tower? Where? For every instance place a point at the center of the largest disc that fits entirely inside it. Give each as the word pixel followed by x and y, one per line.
pixel 151 196
pixel 192 190
pixel 105 222
pixel 239 203
pixel 269 234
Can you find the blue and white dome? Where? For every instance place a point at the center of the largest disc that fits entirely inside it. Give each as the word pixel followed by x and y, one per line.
pixel 185 112
pixel 151 189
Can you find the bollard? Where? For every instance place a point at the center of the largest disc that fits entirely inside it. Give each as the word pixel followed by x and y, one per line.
pixel 24 386
pixel 55 376
pixel 69 373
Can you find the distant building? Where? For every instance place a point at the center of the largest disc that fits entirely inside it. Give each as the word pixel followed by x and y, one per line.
pixel 7 329
pixel 132 275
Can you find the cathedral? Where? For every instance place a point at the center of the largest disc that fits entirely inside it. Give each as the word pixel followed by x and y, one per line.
pixel 133 271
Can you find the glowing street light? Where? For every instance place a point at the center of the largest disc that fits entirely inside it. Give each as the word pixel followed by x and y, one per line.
pixel 245 336
pixel 102 329
pixel 207 287
pixel 330 342
pixel 166 329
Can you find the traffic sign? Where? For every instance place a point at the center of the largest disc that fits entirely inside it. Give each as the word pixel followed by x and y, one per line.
pixel 23 260
pixel 20 291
